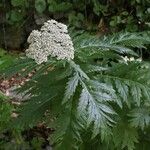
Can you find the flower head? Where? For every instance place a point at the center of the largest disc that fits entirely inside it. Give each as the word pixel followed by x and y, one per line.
pixel 52 40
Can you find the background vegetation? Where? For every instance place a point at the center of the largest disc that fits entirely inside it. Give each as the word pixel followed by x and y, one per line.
pixel 100 16
pixel 100 61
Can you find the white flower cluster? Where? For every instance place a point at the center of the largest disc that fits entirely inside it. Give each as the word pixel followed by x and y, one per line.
pixel 127 59
pixel 52 40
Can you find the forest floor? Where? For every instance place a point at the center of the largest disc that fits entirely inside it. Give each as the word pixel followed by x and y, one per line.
pixel 39 131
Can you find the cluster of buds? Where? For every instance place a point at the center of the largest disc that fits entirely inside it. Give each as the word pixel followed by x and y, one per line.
pixel 51 40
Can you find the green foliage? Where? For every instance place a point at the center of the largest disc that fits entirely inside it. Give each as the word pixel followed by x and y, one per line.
pixel 93 99
pixel 15 16
pixel 125 136
pixel 18 3
pixel 13 136
pixel 5 112
pixel 40 5
pixel 90 14
pixel 59 6
pixel 140 117
pixel 5 59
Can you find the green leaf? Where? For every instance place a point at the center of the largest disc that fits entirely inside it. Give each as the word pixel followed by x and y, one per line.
pixel 2 96
pixel 67 135
pixel 31 115
pixel 123 90
pixel 131 83
pixel 77 68
pixel 16 16
pixel 125 136
pixel 136 93
pixel 140 117
pixel 92 68
pixel 59 7
pixel 40 5
pixel 5 112
pixel 132 40
pixel 71 87
pixel 17 2
pixel 97 112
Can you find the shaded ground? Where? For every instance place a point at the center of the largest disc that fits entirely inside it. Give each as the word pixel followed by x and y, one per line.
pixel 34 138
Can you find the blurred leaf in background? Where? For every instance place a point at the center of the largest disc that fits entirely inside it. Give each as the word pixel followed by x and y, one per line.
pixel 40 5
pixel 5 59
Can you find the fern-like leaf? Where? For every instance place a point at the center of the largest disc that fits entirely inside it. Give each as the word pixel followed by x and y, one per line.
pixel 71 87
pixel 125 136
pixel 140 117
pixel 97 112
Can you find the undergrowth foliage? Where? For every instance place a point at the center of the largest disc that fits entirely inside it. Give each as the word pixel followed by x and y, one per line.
pixel 96 100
